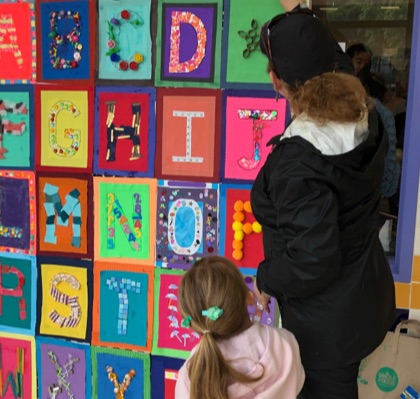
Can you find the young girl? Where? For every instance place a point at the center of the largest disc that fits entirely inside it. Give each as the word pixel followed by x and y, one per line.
pixel 235 359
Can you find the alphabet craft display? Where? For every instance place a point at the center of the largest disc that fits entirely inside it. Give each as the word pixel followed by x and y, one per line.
pixel 130 134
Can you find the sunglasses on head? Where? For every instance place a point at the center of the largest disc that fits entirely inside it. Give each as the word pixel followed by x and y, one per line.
pixel 268 27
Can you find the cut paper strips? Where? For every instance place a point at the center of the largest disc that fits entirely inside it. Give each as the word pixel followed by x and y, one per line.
pixel 240 233
pixel 17 212
pixel 125 42
pixel 17 41
pixel 188 134
pixel 64 129
pixel 187 223
pixel 125 131
pixel 169 337
pixel 243 64
pixel 17 366
pixel 65 215
pixel 257 315
pixel 251 119
pixel 65 309
pixel 123 306
pixel 110 366
pixel 125 222
pixel 189 37
pixel 67 42
pixel 17 293
pixel 164 376
pixel 63 369
pixel 16 127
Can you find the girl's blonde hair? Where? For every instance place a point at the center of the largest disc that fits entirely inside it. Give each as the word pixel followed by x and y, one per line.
pixel 332 96
pixel 214 281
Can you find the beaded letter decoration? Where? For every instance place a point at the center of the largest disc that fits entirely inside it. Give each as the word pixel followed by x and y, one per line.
pixel 65 42
pixel 114 50
pixel 120 388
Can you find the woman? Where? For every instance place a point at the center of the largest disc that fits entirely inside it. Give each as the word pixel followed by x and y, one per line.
pixel 317 198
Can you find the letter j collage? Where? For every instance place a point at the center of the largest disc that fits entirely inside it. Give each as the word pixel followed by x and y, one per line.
pixel 130 134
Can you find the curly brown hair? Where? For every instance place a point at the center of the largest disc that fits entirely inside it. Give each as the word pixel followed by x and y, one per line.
pixel 332 96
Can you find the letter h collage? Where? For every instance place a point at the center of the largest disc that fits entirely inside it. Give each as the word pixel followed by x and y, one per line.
pixel 130 134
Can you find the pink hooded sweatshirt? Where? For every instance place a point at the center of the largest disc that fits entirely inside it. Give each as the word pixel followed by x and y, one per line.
pixel 260 346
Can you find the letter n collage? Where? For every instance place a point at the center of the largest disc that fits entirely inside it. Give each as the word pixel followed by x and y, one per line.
pixel 130 134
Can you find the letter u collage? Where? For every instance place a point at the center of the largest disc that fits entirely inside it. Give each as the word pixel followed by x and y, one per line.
pixel 130 134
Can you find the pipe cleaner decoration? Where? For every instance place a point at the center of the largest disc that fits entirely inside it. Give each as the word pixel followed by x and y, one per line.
pixel 70 40
pixel 252 39
pixel 240 229
pixel 119 389
pixel 63 373
pixel 114 31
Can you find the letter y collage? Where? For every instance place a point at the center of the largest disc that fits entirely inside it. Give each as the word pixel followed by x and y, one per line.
pixel 130 134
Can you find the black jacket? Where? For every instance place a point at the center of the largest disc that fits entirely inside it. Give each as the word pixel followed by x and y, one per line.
pixel 323 259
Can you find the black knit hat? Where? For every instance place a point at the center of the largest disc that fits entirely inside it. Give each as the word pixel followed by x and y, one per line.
pixel 299 45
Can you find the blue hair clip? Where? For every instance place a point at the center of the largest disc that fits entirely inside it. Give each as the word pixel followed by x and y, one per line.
pixel 186 322
pixel 212 313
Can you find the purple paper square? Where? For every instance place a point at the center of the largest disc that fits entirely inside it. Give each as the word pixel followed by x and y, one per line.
pixel 14 212
pixel 77 378
pixel 188 43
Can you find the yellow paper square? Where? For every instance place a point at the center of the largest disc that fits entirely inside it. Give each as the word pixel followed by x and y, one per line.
pixel 49 304
pixel 52 102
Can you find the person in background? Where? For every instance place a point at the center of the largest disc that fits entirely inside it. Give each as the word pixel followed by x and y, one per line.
pixel 361 56
pixel 317 198
pixel 377 89
pixel 235 359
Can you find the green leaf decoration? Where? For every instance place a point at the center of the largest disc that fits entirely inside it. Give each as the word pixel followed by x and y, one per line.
pixel 242 34
pixel 254 24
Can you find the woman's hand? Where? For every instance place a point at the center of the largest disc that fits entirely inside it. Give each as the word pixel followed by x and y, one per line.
pixel 262 298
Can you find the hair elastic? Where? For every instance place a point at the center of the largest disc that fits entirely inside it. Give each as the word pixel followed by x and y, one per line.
pixel 213 313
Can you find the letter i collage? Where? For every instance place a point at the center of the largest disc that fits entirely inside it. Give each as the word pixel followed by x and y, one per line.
pixel 130 134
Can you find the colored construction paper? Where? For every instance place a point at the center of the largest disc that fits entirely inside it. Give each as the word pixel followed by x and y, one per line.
pixel 189 37
pixel 131 36
pixel 266 318
pixel 65 295
pixel 252 251
pixel 123 306
pixel 164 376
pixel 64 215
pixel 187 224
pixel 18 42
pixel 17 121
pixel 17 370
pixel 188 134
pixel 169 337
pixel 63 365
pixel 17 293
pixel 122 362
pixel 125 222
pixel 18 212
pixel 243 22
pixel 125 131
pixel 250 122
pixel 64 129
pixel 78 54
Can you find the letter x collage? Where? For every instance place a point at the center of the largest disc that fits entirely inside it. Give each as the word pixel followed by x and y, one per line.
pixel 130 134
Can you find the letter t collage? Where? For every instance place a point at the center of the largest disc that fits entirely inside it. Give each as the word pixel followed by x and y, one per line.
pixel 130 134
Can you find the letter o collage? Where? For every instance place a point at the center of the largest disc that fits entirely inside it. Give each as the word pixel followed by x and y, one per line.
pixel 130 134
